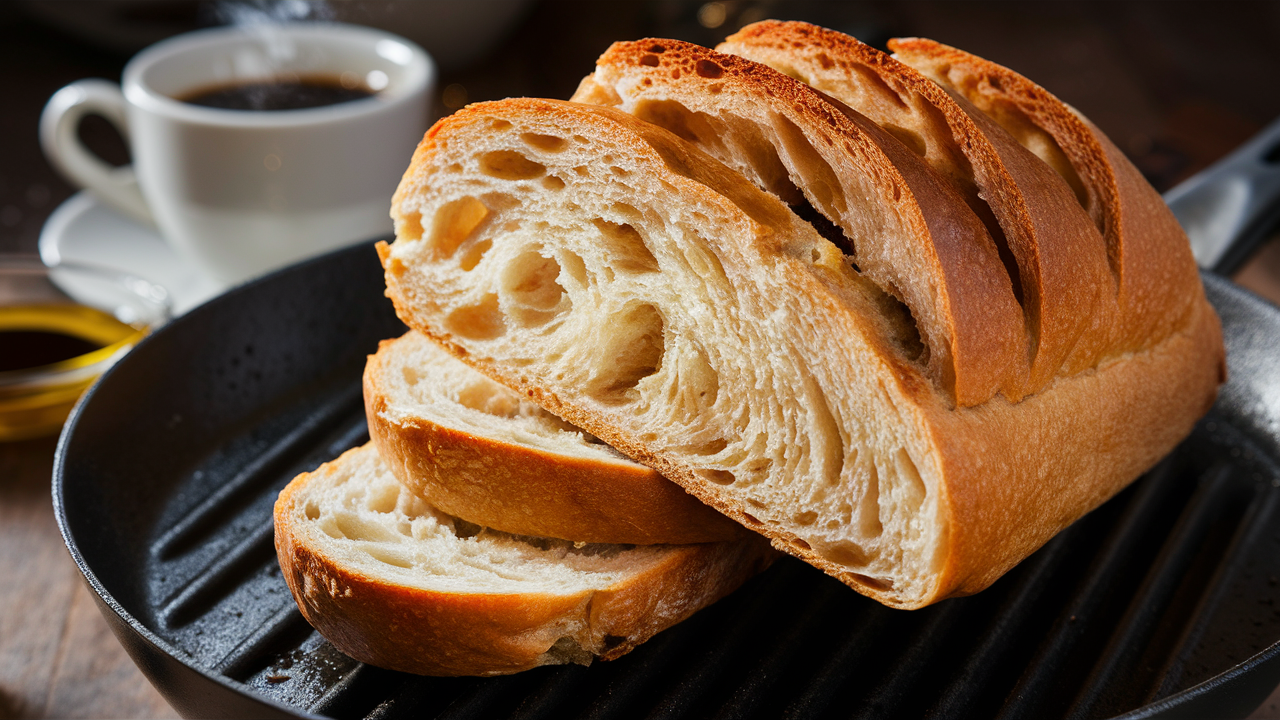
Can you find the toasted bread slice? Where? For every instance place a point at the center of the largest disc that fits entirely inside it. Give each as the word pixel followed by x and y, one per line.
pixel 393 582
pixel 488 455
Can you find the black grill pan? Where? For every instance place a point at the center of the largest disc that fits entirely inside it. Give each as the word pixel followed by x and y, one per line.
pixel 1162 603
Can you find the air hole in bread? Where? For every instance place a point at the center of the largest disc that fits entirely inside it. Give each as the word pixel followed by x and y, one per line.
pixel 712 447
pixel 845 553
pixel 574 268
pixel 482 321
pixel 675 74
pixel 353 527
pixel 657 48
pixel 551 182
pixel 798 543
pixel 649 60
pixel 529 283
pixel 382 499
pixel 870 81
pixel 719 477
pixel 827 229
pixel 715 88
pixel 625 248
pixel 912 139
pixel 474 254
pixel 410 226
pixel 867 580
pixel 912 485
pixel 869 524
pixel 312 511
pixel 510 165
pixel 806 518
pixel 411 375
pixel 545 143
pixel 904 332
pixel 454 222
pixel 488 397
pixel 752 519
pixel 454 168
pixel 498 124
pixel 708 69
pixel 582 171
pixel 630 350
pixel 389 557
pixel 824 60
pixel 619 172
pixel 674 117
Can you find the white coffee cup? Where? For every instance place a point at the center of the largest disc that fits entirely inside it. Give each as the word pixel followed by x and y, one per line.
pixel 241 192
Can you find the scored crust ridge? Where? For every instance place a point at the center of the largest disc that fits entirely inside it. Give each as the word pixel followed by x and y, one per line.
pixel 904 227
pixel 1052 247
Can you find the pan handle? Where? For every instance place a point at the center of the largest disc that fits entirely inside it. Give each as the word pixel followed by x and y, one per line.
pixel 1229 208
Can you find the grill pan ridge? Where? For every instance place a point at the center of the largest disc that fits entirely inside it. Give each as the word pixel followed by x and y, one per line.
pixel 1161 603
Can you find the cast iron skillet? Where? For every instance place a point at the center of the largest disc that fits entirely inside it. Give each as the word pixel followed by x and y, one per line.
pixel 1158 604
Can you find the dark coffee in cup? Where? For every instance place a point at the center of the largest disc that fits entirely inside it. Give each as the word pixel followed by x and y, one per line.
pixel 291 93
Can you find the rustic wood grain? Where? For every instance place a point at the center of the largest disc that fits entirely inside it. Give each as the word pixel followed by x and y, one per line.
pixel 58 658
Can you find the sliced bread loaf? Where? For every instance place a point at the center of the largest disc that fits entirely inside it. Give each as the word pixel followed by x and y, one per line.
pixel 393 582
pixel 488 455
pixel 635 286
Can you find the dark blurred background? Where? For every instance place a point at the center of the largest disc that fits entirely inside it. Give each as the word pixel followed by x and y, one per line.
pixel 1175 84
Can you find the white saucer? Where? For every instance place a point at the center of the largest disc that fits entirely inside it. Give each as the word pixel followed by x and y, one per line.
pixel 84 230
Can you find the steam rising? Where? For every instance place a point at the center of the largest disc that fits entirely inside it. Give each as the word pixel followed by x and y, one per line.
pixel 261 17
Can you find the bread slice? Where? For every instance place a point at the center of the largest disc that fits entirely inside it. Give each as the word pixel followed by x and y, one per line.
pixel 905 227
pixel 1054 252
pixel 481 452
pixel 638 288
pixel 393 582
pixel 1146 247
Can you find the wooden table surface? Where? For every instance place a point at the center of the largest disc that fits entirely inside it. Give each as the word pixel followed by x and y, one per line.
pixel 1176 85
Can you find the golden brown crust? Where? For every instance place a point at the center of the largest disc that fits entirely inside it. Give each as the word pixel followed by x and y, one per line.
pixel 1147 249
pixel 1068 291
pixel 1010 475
pixel 922 243
pixel 450 633
pixel 529 491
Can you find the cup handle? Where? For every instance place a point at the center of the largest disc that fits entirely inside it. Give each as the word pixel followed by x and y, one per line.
pixel 114 186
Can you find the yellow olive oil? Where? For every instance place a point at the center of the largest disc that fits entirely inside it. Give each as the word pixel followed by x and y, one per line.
pixel 49 355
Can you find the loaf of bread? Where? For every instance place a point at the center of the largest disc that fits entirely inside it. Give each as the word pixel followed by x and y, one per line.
pixel 394 582
pixel 487 455
pixel 635 286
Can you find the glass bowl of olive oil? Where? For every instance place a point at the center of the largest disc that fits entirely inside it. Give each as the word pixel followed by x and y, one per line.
pixel 61 327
